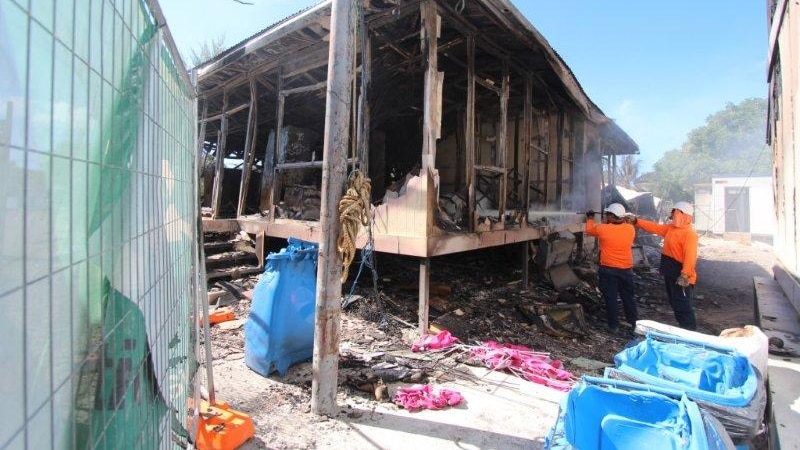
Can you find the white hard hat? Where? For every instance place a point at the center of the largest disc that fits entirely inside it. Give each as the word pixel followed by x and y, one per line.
pixel 616 209
pixel 684 207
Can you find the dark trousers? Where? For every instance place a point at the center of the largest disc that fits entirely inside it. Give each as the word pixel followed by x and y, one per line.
pixel 615 282
pixel 680 298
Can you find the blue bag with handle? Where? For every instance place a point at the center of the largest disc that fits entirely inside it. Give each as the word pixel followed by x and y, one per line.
pixel 280 329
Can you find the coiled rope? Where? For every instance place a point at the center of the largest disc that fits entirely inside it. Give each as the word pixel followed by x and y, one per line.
pixel 354 209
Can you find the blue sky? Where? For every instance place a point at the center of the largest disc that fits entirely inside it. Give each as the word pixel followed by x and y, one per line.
pixel 658 67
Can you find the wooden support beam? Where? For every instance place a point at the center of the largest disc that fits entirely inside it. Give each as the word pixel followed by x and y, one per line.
pixel 301 89
pixel 216 196
pixel 362 121
pixel 381 19
pixel 249 148
pixel 525 262
pixel 306 165
pixel 311 58
pixel 432 99
pixel 424 291
pixel 201 139
pixel 489 85
pixel 261 238
pixel 268 166
pixel 336 142
pixel 469 131
pixel 559 158
pixel 274 195
pixel 228 113
pixel 502 139
pixel 527 130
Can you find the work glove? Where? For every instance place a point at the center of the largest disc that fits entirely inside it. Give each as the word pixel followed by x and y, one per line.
pixel 631 218
pixel 590 214
pixel 683 281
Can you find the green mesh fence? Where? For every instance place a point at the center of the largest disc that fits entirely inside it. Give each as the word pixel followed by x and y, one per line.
pixel 97 227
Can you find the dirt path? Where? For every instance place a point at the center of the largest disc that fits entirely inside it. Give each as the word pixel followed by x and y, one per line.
pixel 724 296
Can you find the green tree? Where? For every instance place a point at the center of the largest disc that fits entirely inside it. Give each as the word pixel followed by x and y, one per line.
pixel 731 143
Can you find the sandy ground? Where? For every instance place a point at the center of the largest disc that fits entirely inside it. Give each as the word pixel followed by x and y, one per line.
pixel 501 411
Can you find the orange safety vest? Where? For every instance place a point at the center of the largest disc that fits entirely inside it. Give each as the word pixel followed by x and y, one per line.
pixel 680 241
pixel 616 241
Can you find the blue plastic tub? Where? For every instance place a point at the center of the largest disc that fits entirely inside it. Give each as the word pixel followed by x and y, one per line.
pixel 608 414
pixel 709 373
pixel 280 329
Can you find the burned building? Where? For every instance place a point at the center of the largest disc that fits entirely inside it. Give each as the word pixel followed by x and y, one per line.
pixel 473 130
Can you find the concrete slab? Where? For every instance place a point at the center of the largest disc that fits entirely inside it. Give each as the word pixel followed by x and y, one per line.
pixel 501 411
pixel 778 318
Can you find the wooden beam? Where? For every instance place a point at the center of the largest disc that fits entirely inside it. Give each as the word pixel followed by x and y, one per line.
pixel 249 147
pixel 228 113
pixel 301 89
pixel 201 140
pixel 267 169
pixel 469 131
pixel 559 158
pixel 503 142
pixel 274 195
pixel 312 57
pixel 362 121
pixel 391 15
pixel 432 95
pixel 336 142
pixel 489 85
pixel 424 290
pixel 525 258
pixel 527 130
pixel 216 196
pixel 306 165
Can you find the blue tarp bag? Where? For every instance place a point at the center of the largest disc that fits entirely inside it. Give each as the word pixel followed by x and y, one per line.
pixel 280 329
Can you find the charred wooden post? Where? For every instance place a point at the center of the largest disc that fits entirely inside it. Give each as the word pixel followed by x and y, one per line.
pixel 502 145
pixel 525 261
pixel 527 148
pixel 559 158
pixel 431 126
pixel 431 129
pixel 201 139
pixel 362 137
pixel 216 195
pixel 469 131
pixel 274 194
pixel 335 144
pixel 424 289
pixel 249 148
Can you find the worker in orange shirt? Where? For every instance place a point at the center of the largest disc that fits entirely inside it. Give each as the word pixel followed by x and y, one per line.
pixel 616 262
pixel 678 260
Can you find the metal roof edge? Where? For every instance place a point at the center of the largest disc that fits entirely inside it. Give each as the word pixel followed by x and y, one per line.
pixel 263 37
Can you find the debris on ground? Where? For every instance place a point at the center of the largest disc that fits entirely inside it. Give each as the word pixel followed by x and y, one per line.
pixel 481 300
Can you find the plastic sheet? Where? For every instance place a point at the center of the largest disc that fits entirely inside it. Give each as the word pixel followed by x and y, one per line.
pixel 280 329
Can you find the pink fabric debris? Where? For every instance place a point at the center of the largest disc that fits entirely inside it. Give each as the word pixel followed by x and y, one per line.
pixel 434 342
pixel 525 363
pixel 420 396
